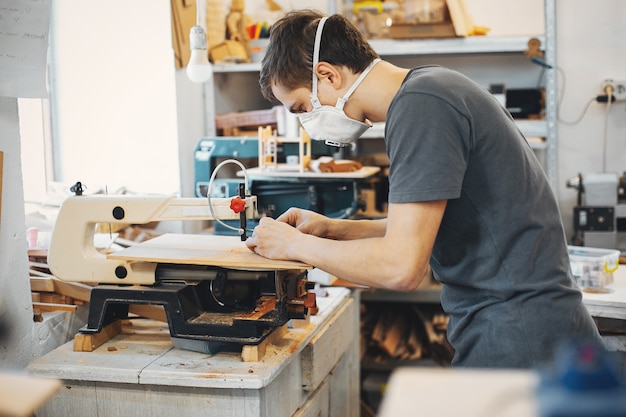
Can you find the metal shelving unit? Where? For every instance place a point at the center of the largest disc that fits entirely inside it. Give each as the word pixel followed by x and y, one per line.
pixel 468 46
pixel 417 47
pixel 452 46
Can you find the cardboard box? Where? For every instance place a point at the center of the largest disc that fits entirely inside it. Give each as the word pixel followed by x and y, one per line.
pixel 422 30
pixel 456 23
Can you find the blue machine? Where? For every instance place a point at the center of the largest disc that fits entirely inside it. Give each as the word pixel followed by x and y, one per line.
pixel 337 198
pixel 584 383
pixel 209 150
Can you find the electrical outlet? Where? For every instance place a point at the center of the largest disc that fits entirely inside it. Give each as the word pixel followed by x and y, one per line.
pixel 618 86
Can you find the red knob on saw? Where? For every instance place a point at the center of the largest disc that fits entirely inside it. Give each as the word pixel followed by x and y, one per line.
pixel 237 204
pixel 311 300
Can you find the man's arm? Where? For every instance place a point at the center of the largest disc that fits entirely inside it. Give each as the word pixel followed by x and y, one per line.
pixel 316 224
pixel 397 259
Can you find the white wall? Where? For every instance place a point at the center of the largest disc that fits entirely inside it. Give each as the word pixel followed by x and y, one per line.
pixel 15 301
pixel 25 339
pixel 126 116
pixel 115 95
pixel 591 45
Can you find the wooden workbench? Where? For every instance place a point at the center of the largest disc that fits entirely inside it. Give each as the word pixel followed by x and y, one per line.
pixel 311 371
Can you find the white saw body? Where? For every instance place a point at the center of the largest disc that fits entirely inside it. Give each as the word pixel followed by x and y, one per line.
pixel 72 255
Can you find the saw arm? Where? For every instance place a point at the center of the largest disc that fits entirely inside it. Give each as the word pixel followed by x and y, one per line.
pixel 72 255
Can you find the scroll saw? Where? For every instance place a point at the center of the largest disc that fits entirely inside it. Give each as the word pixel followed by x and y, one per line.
pixel 214 290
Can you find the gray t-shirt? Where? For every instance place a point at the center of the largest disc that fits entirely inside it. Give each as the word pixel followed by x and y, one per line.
pixel 501 251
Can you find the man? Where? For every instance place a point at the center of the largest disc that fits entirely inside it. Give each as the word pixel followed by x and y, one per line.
pixel 466 194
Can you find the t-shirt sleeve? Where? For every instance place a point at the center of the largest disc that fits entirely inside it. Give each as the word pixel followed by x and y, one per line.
pixel 428 141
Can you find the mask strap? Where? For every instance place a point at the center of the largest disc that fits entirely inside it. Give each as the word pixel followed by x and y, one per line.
pixel 342 101
pixel 316 59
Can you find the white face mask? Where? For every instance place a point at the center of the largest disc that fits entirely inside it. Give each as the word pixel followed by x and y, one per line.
pixel 330 123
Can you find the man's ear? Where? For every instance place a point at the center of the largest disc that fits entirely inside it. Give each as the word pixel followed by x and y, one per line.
pixel 329 73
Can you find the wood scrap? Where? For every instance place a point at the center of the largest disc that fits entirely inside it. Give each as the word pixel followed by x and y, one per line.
pixel 147 311
pixel 393 336
pixel 51 290
pixel 54 307
pixel 90 342
pixel 403 332
pixel 461 19
pixel 254 353
pixel 183 18
pixel 273 6
pixel 36 298
pixel 41 284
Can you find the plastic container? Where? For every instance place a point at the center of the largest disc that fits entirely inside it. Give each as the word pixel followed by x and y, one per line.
pixel 593 267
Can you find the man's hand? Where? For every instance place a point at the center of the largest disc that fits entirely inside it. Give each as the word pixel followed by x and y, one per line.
pixel 306 221
pixel 271 239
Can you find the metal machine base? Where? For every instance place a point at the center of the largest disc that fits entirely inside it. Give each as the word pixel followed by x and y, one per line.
pixel 195 314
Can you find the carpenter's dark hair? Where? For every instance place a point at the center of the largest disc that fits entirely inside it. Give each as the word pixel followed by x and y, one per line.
pixel 289 57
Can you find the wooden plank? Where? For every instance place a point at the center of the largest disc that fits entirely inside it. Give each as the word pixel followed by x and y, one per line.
pixel 461 19
pixel 183 18
pixel 54 298
pixel 254 353
pixel 54 307
pixel 148 311
pixel 78 291
pixel 40 284
pixel 75 290
pixel 90 342
pixel 213 250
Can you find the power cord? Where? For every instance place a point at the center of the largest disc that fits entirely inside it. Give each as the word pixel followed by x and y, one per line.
pixel 608 97
pixel 609 94
pixel 239 230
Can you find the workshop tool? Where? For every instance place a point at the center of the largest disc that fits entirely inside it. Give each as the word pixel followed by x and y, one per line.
pixel 600 211
pixel 334 197
pixel 583 381
pixel 216 293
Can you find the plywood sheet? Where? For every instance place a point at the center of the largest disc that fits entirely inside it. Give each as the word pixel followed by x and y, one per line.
pixel 183 18
pixel 214 250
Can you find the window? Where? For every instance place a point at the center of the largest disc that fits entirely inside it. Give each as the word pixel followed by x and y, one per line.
pixel 111 120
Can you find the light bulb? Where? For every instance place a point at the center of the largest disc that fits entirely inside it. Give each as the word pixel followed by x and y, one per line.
pixel 199 68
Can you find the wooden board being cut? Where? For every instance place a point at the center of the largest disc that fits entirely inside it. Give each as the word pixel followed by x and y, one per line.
pixel 213 250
